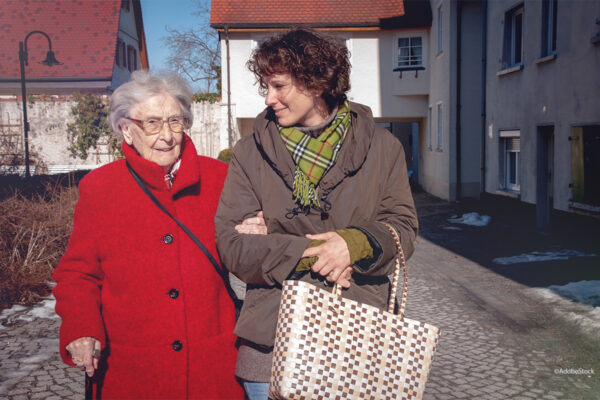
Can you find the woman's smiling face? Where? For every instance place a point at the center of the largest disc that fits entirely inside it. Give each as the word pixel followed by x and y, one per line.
pixel 292 103
pixel 164 147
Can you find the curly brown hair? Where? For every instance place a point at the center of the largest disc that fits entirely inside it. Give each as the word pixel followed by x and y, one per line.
pixel 317 61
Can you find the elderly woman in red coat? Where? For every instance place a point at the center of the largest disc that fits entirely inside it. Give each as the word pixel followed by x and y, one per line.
pixel 142 308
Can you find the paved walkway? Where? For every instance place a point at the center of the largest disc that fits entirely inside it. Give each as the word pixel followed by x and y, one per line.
pixel 499 340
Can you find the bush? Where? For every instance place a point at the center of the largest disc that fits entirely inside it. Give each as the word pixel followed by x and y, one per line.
pixel 90 126
pixel 35 231
pixel 225 155
pixel 210 97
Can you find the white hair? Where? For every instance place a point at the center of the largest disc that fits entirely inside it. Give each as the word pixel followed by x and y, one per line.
pixel 143 85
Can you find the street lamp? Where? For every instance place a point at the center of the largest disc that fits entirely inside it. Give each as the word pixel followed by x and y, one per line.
pixel 49 61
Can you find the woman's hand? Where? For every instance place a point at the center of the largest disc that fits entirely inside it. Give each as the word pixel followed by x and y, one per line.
pixel 253 225
pixel 85 353
pixel 334 258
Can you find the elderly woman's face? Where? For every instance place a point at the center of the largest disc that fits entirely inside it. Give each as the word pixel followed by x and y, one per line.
pixel 164 147
pixel 292 103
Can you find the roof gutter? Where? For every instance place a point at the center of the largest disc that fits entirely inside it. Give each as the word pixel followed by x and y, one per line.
pixel 459 7
pixel 287 25
pixel 229 132
pixel 61 79
pixel 483 92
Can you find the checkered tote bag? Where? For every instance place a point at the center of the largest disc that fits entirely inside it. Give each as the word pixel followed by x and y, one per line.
pixel 328 347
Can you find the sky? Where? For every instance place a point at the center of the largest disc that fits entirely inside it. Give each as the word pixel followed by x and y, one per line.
pixel 157 15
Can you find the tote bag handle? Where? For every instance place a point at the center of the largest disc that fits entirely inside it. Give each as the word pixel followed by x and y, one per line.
pixel 400 262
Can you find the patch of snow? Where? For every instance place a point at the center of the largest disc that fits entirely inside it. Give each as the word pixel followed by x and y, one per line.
pixel 537 256
pixel 452 228
pixel 473 218
pixel 586 292
pixel 11 311
pixel 45 309
pixel 585 317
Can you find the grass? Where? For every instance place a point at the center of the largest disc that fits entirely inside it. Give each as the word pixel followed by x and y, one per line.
pixel 36 219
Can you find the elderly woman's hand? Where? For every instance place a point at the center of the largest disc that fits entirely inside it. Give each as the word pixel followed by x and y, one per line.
pixel 85 353
pixel 334 258
pixel 253 225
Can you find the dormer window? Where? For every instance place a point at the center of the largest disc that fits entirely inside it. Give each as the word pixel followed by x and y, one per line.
pixel 121 55
pixel 131 58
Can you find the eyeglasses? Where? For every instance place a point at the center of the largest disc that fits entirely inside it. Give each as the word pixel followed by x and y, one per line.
pixel 152 126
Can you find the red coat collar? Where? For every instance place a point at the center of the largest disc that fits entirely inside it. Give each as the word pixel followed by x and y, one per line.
pixel 153 175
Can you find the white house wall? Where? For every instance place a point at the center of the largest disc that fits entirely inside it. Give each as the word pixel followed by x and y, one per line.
pixel 373 81
pixel 435 164
pixel 49 138
pixel 128 34
pixel 562 92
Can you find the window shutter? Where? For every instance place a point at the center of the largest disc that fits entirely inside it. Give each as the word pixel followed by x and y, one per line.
pixel 513 144
pixel 577 164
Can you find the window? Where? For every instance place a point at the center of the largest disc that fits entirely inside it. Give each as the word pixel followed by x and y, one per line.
pixel 549 27
pixel 429 128
pixel 513 38
pixel 125 5
pixel 410 52
pixel 439 30
pixel 439 127
pixel 121 55
pixel 585 164
pixel 510 160
pixel 131 58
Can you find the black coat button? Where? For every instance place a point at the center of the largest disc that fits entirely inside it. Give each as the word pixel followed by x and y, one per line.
pixel 168 238
pixel 173 293
pixel 177 345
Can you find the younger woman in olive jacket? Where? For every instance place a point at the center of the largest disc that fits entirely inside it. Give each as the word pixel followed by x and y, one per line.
pixel 325 176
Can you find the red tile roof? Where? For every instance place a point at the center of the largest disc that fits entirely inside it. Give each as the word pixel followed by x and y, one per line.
pixel 271 13
pixel 83 34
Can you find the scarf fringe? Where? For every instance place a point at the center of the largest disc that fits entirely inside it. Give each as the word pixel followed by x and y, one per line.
pixel 304 192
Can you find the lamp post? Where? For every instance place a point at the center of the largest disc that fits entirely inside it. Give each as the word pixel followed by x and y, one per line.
pixel 49 61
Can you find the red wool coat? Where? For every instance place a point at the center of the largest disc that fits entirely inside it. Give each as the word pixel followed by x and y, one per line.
pixel 134 280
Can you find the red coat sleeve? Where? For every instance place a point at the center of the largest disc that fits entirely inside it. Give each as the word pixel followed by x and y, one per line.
pixel 79 277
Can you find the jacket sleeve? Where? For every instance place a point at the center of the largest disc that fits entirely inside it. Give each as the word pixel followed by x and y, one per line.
pixel 255 259
pixel 79 279
pixel 396 208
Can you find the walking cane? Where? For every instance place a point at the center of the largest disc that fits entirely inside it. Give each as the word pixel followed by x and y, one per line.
pixel 89 390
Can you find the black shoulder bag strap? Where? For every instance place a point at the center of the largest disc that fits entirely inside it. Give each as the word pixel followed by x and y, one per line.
pixel 222 273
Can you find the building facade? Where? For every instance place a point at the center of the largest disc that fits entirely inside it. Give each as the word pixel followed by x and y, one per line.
pixel 542 136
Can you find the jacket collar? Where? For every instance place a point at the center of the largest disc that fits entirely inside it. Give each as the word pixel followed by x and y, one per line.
pixel 153 175
pixel 351 157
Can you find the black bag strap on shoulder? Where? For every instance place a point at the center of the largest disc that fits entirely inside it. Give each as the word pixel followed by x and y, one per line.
pixel 222 273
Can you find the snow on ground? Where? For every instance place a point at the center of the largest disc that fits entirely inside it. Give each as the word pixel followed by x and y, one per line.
pixel 537 256
pixel 452 228
pixel 44 309
pixel 473 218
pixel 585 317
pixel 587 292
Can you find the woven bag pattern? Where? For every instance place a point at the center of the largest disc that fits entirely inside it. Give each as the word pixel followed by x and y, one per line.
pixel 328 347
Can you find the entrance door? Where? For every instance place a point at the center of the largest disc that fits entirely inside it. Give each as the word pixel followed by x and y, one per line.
pixel 408 134
pixel 545 175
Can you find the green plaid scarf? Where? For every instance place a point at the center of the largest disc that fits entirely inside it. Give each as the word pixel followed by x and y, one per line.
pixel 314 156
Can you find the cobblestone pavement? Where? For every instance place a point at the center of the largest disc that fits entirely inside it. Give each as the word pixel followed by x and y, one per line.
pixel 30 367
pixel 498 341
